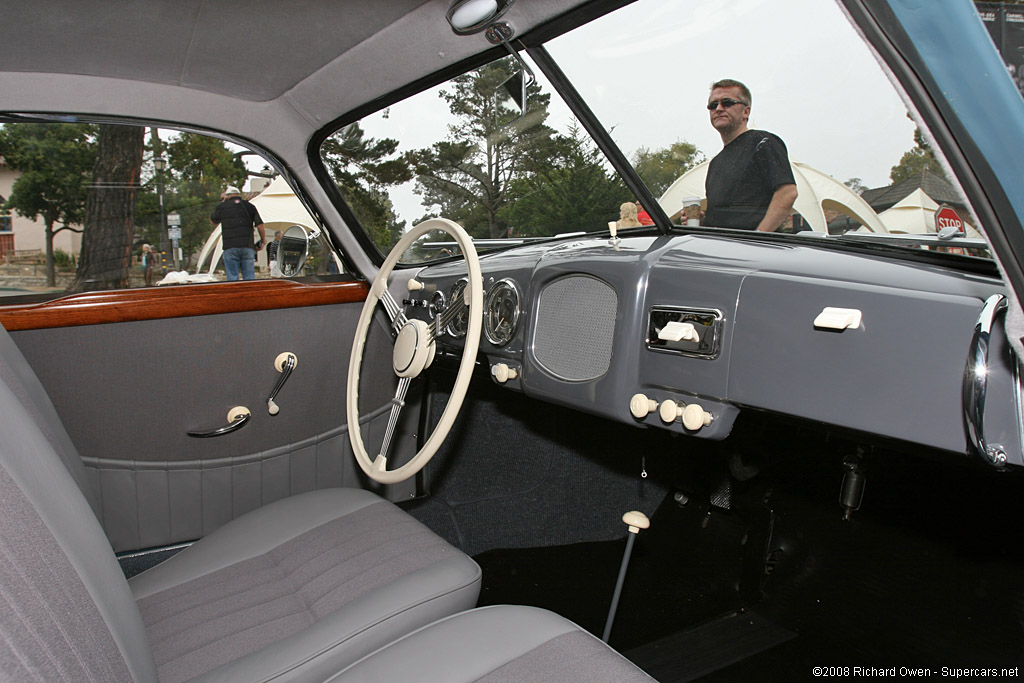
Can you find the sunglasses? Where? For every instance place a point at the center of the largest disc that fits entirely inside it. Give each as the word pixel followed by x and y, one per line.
pixel 726 103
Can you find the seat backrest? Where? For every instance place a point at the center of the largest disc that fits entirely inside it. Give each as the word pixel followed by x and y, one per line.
pixel 19 377
pixel 66 611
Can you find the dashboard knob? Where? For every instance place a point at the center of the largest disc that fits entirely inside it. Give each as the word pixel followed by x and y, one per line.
pixel 695 417
pixel 670 411
pixel 640 406
pixel 503 373
pixel 415 285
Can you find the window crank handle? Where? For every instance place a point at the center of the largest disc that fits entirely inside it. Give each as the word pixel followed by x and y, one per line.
pixel 285 363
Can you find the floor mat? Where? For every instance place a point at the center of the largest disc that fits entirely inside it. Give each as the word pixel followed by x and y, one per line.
pixel 683 572
pixel 694 653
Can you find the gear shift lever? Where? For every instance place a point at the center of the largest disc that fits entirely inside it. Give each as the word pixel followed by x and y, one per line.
pixel 636 521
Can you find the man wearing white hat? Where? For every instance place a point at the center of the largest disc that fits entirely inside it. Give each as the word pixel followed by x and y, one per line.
pixel 237 219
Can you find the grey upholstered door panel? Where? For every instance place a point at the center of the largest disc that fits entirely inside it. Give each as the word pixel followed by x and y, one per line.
pixel 128 393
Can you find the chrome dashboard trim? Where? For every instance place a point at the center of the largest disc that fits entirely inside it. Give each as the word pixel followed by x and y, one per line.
pixel 976 382
pixel 517 314
pixel 692 314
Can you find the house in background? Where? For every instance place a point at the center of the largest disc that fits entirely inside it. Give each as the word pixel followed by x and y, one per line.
pixel 24 234
pixel 923 193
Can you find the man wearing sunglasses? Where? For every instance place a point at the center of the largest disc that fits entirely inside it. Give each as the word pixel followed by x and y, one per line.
pixel 750 183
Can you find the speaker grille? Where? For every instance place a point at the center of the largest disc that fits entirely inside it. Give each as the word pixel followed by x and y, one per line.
pixel 575 325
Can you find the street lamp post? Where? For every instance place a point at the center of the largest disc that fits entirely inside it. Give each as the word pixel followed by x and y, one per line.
pixel 159 163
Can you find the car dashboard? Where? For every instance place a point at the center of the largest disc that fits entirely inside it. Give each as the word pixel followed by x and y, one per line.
pixel 683 332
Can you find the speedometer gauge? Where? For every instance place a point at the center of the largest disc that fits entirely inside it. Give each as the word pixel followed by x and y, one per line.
pixel 459 321
pixel 501 312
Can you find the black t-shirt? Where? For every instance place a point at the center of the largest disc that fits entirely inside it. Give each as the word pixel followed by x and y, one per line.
pixel 743 177
pixel 237 218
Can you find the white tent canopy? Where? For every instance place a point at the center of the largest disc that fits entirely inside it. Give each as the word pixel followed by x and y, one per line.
pixel 279 208
pixel 816 191
pixel 915 215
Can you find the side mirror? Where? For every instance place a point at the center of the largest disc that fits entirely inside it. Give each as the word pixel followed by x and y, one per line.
pixel 292 252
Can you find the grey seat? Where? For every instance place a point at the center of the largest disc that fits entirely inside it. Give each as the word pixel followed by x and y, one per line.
pixel 293 591
pixel 496 645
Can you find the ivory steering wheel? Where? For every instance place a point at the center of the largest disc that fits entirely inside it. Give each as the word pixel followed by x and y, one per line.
pixel 412 354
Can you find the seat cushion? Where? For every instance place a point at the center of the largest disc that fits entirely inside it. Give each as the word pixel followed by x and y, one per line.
pixel 496 645
pixel 299 589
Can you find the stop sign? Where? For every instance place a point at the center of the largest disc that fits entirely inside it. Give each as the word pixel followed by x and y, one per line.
pixel 948 218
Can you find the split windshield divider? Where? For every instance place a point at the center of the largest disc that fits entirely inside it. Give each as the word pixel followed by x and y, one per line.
pixel 564 87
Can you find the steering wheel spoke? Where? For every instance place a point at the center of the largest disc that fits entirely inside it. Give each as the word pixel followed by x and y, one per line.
pixel 413 351
pixel 394 310
pixel 397 403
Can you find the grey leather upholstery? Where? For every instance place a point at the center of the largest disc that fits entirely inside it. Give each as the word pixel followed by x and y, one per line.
pixel 496 645
pixel 295 590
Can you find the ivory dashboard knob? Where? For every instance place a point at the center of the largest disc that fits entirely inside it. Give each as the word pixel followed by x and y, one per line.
pixel 695 417
pixel 641 406
pixel 414 285
pixel 503 373
pixel 670 411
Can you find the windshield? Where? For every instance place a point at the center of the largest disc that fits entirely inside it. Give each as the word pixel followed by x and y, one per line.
pixel 807 136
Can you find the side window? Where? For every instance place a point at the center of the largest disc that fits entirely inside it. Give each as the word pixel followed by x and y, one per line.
pixel 86 207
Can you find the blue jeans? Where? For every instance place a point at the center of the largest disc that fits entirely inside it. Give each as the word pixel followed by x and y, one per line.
pixel 240 258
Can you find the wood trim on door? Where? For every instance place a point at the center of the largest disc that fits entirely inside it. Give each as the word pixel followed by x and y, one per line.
pixel 155 303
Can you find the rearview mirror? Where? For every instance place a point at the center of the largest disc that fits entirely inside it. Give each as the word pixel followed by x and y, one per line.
pixel 511 94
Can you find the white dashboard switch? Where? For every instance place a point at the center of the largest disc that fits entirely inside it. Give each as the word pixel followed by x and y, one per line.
pixel 503 372
pixel 641 406
pixel 838 318
pixel 414 285
pixel 679 331
pixel 695 417
pixel 670 411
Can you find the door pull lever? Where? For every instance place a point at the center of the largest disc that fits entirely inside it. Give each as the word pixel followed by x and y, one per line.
pixel 284 363
pixel 237 417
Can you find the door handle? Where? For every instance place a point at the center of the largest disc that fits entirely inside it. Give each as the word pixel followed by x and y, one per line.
pixel 237 418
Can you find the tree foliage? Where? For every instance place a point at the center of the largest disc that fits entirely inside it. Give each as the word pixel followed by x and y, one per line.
pixel 856 184
pixel 109 223
pixel 567 189
pixel 55 163
pixel 468 177
pixel 662 167
pixel 916 160
pixel 364 167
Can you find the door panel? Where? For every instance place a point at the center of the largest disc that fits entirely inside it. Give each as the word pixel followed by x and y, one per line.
pixel 128 393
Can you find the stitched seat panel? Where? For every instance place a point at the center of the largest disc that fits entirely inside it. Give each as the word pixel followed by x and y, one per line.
pixel 212 620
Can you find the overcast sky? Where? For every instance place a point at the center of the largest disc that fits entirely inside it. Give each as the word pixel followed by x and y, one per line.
pixel 646 69
pixel 814 82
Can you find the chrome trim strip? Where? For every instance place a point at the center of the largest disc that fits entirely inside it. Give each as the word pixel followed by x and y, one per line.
pixel 976 380
pixel 714 344
pixel 517 313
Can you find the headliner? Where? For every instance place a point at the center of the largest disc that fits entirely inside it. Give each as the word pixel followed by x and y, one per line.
pixel 255 50
pixel 252 50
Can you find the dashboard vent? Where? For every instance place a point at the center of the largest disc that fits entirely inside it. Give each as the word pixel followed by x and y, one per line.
pixel 575 324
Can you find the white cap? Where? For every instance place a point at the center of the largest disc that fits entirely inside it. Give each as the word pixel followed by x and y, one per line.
pixel 231 190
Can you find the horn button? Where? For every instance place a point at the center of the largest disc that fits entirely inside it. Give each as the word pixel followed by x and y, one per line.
pixel 414 349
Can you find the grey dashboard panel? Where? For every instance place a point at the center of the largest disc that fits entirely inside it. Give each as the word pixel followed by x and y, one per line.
pixel 897 374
